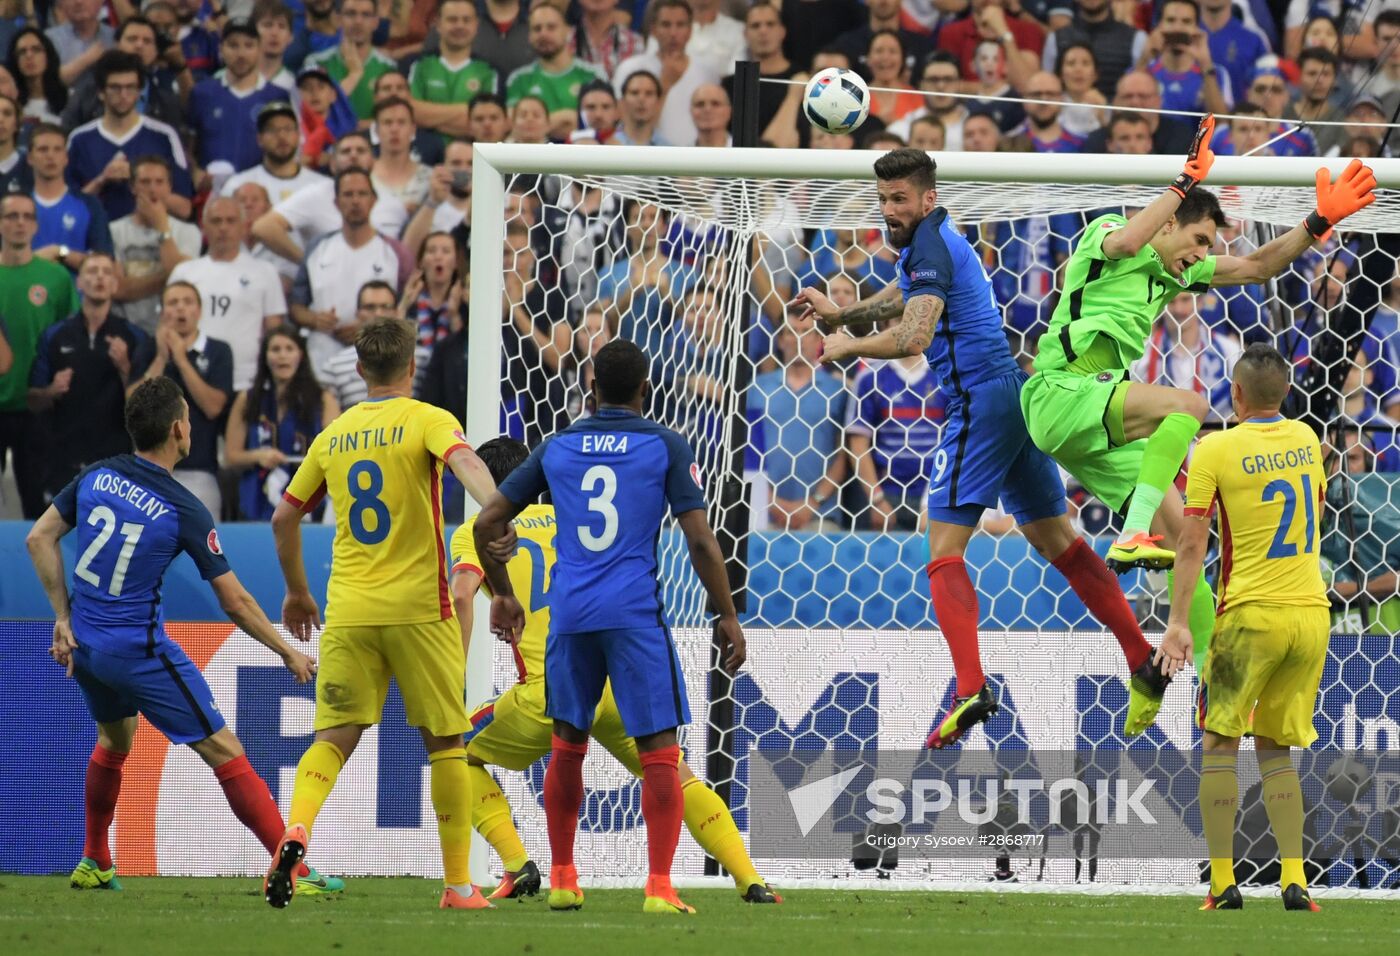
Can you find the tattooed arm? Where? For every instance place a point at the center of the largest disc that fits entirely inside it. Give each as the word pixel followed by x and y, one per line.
pixel 911 336
pixel 888 303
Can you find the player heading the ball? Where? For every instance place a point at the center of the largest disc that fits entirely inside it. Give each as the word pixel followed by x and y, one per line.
pixel 943 306
pixel 1265 664
pixel 133 519
pixel 389 609
pixel 612 477
pixel 1125 441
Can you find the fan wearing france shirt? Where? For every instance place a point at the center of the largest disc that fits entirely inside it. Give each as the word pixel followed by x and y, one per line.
pixel 224 109
pixel 948 311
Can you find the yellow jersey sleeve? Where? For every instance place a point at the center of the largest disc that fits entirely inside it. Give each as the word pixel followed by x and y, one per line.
pixel 1202 482
pixel 441 433
pixel 308 485
pixel 464 550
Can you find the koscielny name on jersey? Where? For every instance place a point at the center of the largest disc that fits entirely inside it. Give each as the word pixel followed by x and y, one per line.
pixel 365 439
pixel 128 490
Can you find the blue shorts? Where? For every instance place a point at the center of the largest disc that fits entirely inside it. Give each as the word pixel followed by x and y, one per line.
pixel 167 689
pixel 646 678
pixel 987 454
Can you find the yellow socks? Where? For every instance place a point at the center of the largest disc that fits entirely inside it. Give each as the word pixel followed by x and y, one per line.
pixel 452 802
pixel 710 823
pixel 1220 795
pixel 316 773
pixel 1283 801
pixel 491 818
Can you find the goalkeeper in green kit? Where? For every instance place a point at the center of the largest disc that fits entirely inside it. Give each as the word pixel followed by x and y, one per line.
pixel 1126 441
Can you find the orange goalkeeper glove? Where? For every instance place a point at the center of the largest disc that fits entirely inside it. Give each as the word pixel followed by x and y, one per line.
pixel 1355 189
pixel 1199 160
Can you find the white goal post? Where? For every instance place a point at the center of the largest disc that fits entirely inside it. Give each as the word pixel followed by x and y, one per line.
pixel 780 196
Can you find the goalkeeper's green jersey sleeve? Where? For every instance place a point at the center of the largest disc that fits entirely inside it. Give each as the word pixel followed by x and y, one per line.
pixel 1117 299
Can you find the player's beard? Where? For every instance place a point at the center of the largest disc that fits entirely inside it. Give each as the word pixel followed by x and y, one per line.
pixel 902 238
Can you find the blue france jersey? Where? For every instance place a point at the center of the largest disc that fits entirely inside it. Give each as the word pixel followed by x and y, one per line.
pixel 968 345
pixel 611 477
pixel 226 123
pixel 132 518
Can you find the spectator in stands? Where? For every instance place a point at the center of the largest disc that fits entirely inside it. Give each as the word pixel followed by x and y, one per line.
pixel 82 368
pixel 939 78
pixel 714 36
pixel 1269 90
pixel 1178 55
pixel 555 75
pixel 242 295
pixel 597 111
pixel 641 109
pixel 434 299
pixel 449 197
pixel 928 134
pixel 801 409
pixel 272 424
pixel 879 15
pixel 280 173
pixel 1116 45
pixel 778 106
pixel 224 109
pixel 34 294
pixel 529 121
pixel 1362 117
pixel 100 152
pixel 1139 91
pixel 1317 82
pixel 78 41
pixel 821 139
pixel 1386 84
pixel 487 119
pixel 273 21
pixel 1234 47
pixel 1079 75
pixel 710 112
pixel 893 425
pixel 981 133
pixel 1361 534
pixel 298 221
pixel 1183 352
pixel 1020 39
pixel 356 63
pixel 396 172
pixel 994 88
pixel 811 24
pixel 1129 134
pixel 1246 136
pixel 200 46
pixel 324 112
pixel 593 332
pixel 203 367
pixel 885 62
pixel 441 83
pixel 376 299
pixel 325 293
pixel 504 38
pixel 36 66
pixel 444 383
pixel 1043 119
pixel 680 73
pixel 166 84
pixel 252 199
pixel 426 145
pixel 8 86
pixel 71 224
pixel 15 174
pixel 600 39
pixel 532 392
pixel 149 243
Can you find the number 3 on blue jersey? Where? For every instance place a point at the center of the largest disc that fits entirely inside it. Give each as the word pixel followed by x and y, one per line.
pixel 602 503
pixel 1281 487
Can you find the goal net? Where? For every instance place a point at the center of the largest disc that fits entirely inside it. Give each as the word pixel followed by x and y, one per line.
pixel 815 481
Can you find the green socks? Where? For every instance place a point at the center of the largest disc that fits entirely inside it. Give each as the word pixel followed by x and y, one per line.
pixel 1166 450
pixel 1201 619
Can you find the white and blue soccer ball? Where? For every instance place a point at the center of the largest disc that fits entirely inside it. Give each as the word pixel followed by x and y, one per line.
pixel 837 100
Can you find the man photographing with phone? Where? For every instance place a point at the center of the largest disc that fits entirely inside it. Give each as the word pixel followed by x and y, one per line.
pixel 1177 54
pixel 449 201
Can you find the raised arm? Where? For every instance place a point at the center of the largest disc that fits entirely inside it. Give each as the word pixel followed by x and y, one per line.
pixel 1354 190
pixel 888 303
pixel 1126 242
pixel 708 561
pixel 911 336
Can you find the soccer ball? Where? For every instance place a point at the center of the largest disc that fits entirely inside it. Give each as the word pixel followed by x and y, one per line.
pixel 1348 780
pixel 836 100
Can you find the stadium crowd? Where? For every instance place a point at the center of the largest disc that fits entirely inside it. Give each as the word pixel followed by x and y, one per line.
pixel 223 194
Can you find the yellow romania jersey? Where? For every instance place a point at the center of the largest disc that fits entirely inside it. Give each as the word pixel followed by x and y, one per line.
pixel 381 463
pixel 530 571
pixel 1266 478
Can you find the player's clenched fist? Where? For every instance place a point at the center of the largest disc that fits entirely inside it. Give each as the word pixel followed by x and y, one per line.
pixel 1199 160
pixel 1354 190
pixel 507 618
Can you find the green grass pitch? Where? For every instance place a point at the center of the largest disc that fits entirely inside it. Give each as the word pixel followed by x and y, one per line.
pixel 205 917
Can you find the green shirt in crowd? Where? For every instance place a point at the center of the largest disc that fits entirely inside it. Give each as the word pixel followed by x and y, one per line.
pixel 558 90
pixel 362 96
pixel 32 298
